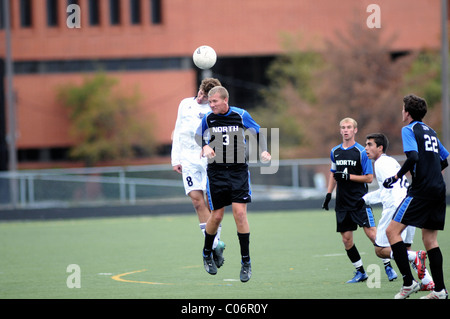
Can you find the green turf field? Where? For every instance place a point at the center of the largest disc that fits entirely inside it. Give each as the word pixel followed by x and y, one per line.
pixel 294 255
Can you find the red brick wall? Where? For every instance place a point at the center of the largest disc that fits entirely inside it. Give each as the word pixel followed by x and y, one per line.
pixel 232 27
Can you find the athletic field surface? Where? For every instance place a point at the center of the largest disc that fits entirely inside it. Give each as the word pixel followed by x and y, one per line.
pixel 296 255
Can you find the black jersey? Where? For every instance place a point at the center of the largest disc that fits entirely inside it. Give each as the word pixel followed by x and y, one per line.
pixel 427 180
pixel 352 160
pixel 226 134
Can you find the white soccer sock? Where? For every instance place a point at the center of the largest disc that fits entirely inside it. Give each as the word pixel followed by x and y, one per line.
pixel 358 264
pixel 217 238
pixel 203 228
pixel 411 255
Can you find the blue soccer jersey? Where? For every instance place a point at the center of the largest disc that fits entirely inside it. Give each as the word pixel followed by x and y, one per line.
pixel 352 160
pixel 226 134
pixel 427 180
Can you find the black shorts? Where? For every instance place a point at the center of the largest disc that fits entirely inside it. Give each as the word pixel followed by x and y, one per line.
pixel 226 186
pixel 349 220
pixel 422 213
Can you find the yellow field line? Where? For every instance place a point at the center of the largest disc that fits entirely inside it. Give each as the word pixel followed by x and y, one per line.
pixel 119 278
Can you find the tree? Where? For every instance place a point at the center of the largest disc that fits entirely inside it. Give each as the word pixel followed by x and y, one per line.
pixel 424 79
pixel 365 82
pixel 104 121
pixel 290 96
pixel 355 76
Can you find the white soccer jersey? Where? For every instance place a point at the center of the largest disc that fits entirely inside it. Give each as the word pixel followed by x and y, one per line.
pixel 184 146
pixel 386 166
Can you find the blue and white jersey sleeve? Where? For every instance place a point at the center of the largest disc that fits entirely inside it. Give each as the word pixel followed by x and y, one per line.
pixel 443 153
pixel 409 139
pixel 366 164
pixel 202 130
pixel 250 123
pixel 333 167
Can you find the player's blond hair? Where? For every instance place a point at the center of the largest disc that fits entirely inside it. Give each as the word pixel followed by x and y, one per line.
pixel 221 90
pixel 349 119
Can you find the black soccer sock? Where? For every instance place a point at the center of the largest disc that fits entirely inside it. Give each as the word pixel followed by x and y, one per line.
pixel 401 259
pixel 355 258
pixel 436 261
pixel 209 241
pixel 244 241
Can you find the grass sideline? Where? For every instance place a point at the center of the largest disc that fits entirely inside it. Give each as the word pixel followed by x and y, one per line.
pixel 295 255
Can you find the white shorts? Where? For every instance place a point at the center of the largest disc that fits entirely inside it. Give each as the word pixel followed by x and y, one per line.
pixel 194 175
pixel 386 216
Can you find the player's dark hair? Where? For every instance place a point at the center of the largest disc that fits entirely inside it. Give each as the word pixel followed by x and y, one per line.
pixel 415 106
pixel 208 83
pixel 379 139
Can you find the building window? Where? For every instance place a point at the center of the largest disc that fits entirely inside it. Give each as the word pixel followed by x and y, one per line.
pixel 94 12
pixel 155 14
pixel 2 23
pixel 52 13
pixel 135 11
pixel 25 13
pixel 114 12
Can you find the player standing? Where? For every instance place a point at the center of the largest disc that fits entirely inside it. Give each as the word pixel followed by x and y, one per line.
pixel 425 204
pixel 223 134
pixel 185 159
pixel 385 166
pixel 351 171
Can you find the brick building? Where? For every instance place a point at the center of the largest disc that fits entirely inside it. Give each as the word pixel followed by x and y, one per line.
pixel 148 44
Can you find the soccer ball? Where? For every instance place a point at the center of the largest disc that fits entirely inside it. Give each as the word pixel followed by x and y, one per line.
pixel 204 57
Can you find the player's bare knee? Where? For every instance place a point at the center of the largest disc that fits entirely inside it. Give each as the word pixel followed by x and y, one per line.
pixel 348 242
pixel 380 252
pixel 216 218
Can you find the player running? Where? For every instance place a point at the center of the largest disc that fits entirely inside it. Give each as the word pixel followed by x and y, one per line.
pixel 186 161
pixel 385 166
pixel 425 204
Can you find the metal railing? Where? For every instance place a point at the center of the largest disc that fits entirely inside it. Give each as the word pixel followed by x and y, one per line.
pixel 130 185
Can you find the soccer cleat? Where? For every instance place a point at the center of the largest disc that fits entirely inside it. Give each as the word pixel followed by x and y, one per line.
pixel 406 291
pixel 390 272
pixel 443 294
pixel 246 271
pixel 218 254
pixel 421 256
pixel 428 287
pixel 359 277
pixel 210 265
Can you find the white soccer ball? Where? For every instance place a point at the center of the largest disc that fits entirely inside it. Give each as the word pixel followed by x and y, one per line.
pixel 204 57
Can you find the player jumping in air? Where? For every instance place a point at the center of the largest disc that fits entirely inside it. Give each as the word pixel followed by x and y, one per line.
pixel 223 133
pixel 186 161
